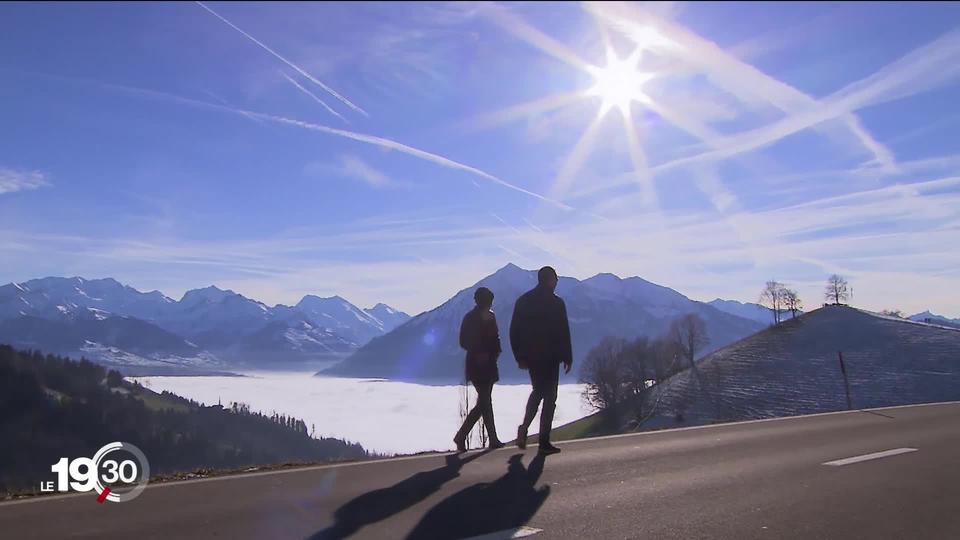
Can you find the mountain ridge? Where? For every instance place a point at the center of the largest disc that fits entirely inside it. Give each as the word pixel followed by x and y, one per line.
pixel 222 326
pixel 928 317
pixel 426 348
pixel 747 310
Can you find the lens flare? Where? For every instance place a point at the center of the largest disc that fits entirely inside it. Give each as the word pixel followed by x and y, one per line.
pixel 619 83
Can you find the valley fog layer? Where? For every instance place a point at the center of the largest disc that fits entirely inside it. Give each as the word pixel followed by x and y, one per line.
pixel 383 416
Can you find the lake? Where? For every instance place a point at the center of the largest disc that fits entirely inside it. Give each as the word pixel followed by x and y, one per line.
pixel 384 416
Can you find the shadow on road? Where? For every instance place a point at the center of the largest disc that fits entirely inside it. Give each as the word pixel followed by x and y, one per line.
pixel 380 504
pixel 506 503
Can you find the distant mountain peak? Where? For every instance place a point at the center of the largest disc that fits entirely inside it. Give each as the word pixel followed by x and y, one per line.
pixel 605 275
pixel 206 294
pixel 388 317
pixel 314 300
pixel 427 347
pixel 510 267
pixel 930 316
pixel 747 310
pixel 382 307
pixel 604 279
pixel 510 275
pixel 209 289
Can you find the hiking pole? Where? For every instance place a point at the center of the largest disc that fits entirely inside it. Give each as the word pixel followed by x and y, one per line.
pixel 846 382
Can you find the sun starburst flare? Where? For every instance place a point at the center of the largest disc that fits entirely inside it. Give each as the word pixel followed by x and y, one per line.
pixel 619 83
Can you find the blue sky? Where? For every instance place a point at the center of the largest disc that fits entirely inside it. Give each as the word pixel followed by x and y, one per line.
pixel 399 152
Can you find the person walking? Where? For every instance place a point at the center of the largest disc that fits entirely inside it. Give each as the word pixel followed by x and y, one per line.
pixel 481 339
pixel 540 339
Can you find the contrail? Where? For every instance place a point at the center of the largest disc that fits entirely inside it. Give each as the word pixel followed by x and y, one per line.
pixel 312 79
pixel 314 96
pixel 409 150
pixel 360 137
pixel 227 104
pixel 925 68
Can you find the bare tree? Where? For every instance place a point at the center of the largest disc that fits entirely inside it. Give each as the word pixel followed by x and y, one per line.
pixel 666 359
pixel 602 374
pixel 893 313
pixel 617 374
pixel 638 363
pixel 689 333
pixel 838 290
pixel 772 297
pixel 792 302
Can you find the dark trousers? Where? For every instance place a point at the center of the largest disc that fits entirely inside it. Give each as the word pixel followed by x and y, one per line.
pixel 544 380
pixel 483 408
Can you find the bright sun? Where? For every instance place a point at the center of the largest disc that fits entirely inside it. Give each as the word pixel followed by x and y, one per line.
pixel 619 83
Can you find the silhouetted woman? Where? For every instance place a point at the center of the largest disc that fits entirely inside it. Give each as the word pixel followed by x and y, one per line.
pixel 481 339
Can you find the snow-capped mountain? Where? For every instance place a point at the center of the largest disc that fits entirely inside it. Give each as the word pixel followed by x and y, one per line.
pixel 55 297
pixel 290 340
pixel 426 348
pixel 389 318
pixel 747 310
pixel 215 318
pixel 927 317
pixel 342 317
pixel 112 323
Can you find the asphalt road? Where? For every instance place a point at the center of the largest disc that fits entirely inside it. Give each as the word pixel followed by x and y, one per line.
pixel 766 479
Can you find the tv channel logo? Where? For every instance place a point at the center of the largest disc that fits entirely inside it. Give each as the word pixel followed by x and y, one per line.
pixel 118 472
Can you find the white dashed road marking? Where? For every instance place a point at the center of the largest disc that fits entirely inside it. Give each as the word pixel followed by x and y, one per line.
pixel 868 457
pixel 507 534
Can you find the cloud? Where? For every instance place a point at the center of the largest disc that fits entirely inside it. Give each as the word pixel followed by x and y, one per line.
pixel 419 261
pixel 355 168
pixel 12 180
pixel 299 70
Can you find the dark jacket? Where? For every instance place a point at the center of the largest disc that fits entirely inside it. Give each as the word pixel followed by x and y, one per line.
pixel 480 337
pixel 539 330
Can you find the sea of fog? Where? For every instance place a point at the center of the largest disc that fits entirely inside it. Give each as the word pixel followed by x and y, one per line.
pixel 384 416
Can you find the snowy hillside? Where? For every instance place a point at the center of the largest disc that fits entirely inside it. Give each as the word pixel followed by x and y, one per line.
pixel 794 369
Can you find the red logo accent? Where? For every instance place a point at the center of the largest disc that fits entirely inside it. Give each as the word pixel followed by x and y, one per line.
pixel 103 496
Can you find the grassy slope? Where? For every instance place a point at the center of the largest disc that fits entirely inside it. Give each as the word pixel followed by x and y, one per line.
pixel 793 369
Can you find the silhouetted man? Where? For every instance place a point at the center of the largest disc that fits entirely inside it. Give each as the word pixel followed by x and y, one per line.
pixel 540 339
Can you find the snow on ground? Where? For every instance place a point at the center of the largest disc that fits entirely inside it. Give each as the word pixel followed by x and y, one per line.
pixel 116 357
pixel 795 369
pixel 383 416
